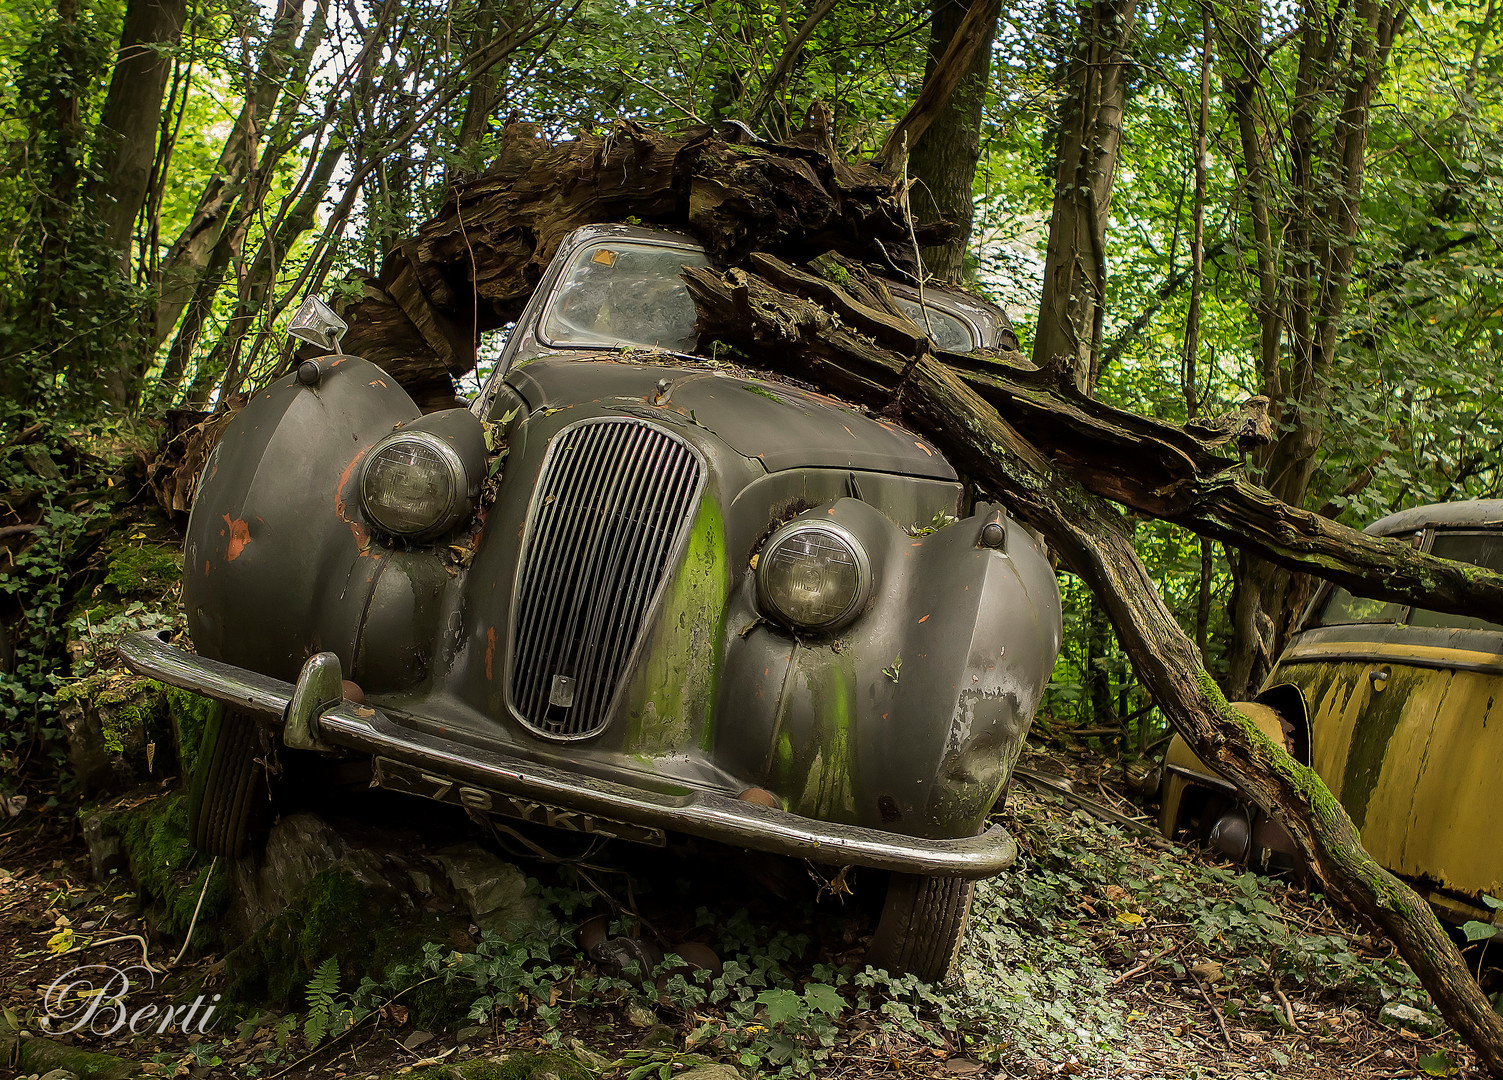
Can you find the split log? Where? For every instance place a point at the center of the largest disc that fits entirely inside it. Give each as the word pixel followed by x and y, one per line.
pixel 1056 486
pixel 471 268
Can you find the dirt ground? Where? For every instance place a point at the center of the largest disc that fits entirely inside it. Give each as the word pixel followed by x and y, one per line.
pixel 1163 988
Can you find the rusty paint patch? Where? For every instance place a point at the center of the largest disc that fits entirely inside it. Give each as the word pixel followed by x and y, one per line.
pixel 239 532
pixel 490 653
pixel 357 530
pixel 377 382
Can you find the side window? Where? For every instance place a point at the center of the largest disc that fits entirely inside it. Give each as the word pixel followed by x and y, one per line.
pixel 1480 548
pixel 624 293
pixel 1342 607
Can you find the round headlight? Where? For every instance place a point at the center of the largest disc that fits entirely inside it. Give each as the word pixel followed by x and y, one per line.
pixel 813 575
pixel 413 486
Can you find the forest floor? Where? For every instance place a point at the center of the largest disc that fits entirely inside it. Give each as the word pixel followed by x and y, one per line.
pixel 1106 952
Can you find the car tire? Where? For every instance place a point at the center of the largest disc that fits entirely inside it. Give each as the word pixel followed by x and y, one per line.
pixel 922 925
pixel 229 806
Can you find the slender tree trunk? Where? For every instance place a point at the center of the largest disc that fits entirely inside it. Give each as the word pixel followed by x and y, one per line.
pixel 127 140
pixel 1089 135
pixel 190 253
pixel 942 163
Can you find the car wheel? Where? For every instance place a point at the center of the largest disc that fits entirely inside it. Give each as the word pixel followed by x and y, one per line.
pixel 229 807
pixel 922 925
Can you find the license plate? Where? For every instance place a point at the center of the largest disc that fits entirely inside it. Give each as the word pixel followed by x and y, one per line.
pixel 397 776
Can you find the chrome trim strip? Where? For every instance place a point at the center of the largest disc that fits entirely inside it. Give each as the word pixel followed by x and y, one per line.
pixel 147 654
pixel 698 813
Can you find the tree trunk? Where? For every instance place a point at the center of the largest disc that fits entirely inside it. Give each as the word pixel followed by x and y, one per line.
pixel 1041 482
pixel 1089 134
pixel 190 253
pixel 127 138
pixel 942 162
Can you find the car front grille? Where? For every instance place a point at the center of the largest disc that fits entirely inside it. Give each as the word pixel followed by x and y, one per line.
pixel 615 499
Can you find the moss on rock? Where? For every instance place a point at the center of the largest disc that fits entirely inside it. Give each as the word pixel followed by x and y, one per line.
pixel 521 1066
pixel 169 873
pixel 354 916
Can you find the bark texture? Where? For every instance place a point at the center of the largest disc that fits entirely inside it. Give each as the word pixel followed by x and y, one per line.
pixel 1088 138
pixel 942 162
pixel 132 112
pixel 1061 494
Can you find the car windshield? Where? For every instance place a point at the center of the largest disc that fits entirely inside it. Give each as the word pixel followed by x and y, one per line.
pixel 1480 548
pixel 946 331
pixel 624 293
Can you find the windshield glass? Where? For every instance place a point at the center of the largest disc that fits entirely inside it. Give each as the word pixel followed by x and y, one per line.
pixel 1481 548
pixel 945 330
pixel 624 293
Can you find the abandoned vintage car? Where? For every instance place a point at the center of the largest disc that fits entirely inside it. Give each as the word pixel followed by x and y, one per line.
pixel 630 592
pixel 1400 711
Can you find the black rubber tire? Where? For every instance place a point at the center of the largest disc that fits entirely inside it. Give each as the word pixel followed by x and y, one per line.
pixel 922 925
pixel 229 807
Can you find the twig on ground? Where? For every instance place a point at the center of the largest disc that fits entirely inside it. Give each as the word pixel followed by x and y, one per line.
pixel 1220 1020
pixel 1131 973
pixel 188 937
pixel 145 960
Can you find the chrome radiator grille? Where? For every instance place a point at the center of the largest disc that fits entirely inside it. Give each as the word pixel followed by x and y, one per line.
pixel 615 498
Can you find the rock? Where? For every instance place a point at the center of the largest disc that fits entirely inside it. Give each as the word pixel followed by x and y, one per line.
pixel 584 1055
pixel 299 848
pixel 106 852
pixel 709 1072
pixel 417 1038
pixel 1406 1016
pixel 493 891
pixel 659 1036
pixel 59 1074
pixel 639 1015
pixel 474 1031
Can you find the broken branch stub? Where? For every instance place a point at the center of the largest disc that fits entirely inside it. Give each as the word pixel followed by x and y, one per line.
pixel 1040 472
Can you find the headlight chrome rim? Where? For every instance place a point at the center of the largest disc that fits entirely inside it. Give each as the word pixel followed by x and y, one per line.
pixel 766 567
pixel 453 508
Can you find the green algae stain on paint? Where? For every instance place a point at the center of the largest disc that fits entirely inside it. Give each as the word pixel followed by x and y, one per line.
pixel 672 694
pixel 827 791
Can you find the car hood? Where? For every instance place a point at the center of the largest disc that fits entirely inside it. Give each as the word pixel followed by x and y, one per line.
pixel 783 427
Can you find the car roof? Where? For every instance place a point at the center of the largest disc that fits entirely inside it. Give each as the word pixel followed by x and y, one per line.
pixel 1467 513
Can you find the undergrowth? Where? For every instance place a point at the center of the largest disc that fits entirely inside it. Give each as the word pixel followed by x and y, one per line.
pixel 1047 944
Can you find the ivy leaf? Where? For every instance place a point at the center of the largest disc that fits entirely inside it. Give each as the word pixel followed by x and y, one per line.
pixel 824 998
pixel 781 1005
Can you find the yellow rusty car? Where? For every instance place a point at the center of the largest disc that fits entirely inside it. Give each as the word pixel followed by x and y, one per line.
pixel 1400 711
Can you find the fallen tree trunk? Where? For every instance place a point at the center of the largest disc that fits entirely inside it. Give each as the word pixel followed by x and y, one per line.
pixel 472 267
pixel 789 334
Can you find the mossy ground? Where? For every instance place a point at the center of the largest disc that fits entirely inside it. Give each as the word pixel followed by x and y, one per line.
pixel 521 1066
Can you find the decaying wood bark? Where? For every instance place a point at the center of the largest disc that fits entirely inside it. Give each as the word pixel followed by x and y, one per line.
pixel 472 268
pixel 1054 457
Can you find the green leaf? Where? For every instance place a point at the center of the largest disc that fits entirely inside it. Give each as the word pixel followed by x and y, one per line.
pixel 1492 901
pixel 1438 1064
pixel 781 1005
pixel 1478 931
pixel 824 998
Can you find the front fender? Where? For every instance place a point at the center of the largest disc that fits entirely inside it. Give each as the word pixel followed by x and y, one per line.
pixel 911 719
pixel 278 561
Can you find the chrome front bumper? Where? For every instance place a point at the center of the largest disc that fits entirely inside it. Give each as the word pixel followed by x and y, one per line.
pixel 707 814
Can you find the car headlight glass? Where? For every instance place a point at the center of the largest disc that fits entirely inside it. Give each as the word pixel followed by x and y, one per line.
pixel 813 575
pixel 413 486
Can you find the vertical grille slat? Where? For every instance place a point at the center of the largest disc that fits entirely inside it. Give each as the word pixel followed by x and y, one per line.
pixel 613 504
pixel 652 547
pixel 562 591
pixel 577 452
pixel 641 552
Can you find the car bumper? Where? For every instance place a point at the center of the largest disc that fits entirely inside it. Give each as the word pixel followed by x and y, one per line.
pixel 454 769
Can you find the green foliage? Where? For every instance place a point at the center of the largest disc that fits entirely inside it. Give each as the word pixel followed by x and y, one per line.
pixel 67 496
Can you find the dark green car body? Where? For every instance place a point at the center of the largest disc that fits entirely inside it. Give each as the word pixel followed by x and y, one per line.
pixel 586 646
